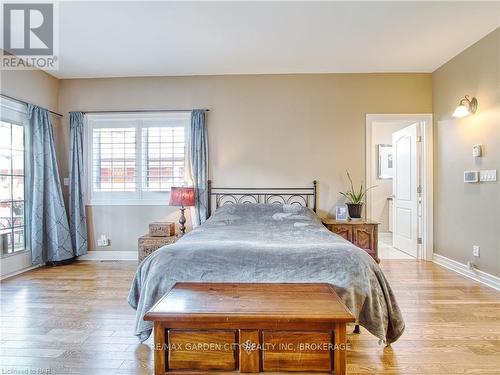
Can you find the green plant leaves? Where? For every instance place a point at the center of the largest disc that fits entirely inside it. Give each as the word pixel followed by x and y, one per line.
pixel 352 195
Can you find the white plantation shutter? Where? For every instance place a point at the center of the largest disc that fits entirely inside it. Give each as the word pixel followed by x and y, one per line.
pixel 163 157
pixel 136 159
pixel 114 159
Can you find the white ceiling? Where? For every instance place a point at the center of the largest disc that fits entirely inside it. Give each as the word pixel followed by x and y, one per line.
pixel 103 39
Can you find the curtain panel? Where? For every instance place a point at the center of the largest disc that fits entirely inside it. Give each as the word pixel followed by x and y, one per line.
pixel 49 235
pixel 77 215
pixel 198 150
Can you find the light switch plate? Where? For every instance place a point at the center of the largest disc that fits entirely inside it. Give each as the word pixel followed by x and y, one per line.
pixel 66 181
pixel 477 151
pixel 488 175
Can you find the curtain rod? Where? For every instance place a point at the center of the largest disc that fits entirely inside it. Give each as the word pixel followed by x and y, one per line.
pixel 144 110
pixel 23 102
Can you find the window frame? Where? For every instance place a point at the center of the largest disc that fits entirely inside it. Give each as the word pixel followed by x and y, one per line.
pixel 137 121
pixel 17 113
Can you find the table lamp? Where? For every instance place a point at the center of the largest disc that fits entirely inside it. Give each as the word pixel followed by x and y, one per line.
pixel 183 197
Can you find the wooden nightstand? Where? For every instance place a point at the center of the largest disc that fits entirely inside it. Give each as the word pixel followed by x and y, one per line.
pixel 361 233
pixel 148 244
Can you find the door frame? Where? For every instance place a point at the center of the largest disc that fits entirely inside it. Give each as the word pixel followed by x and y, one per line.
pixel 425 152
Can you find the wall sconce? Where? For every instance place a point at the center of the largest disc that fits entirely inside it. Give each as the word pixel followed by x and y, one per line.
pixel 466 107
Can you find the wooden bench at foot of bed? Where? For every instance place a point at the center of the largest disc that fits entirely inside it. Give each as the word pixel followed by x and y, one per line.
pixel 244 327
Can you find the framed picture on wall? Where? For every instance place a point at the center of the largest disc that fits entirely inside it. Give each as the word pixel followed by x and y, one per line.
pixel 341 213
pixel 385 169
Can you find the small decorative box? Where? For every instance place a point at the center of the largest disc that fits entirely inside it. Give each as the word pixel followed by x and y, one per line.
pixel 162 229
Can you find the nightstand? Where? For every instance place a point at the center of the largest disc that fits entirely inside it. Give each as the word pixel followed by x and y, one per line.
pixel 148 244
pixel 361 233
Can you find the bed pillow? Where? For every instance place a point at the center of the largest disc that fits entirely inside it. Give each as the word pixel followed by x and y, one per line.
pixel 292 208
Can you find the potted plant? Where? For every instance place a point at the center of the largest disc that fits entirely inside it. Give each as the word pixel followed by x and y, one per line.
pixel 355 199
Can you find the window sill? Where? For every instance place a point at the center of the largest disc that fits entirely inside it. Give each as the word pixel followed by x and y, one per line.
pixel 162 202
pixel 19 252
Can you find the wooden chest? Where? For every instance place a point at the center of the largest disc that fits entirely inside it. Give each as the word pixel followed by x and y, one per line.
pixel 363 234
pixel 214 327
pixel 161 229
pixel 147 244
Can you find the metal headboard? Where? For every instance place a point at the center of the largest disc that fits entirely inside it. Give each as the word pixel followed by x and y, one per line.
pixel 219 196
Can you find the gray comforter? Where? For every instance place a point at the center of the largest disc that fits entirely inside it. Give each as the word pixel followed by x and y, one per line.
pixel 269 243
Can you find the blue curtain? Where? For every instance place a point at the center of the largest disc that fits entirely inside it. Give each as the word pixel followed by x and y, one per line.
pixel 77 217
pixel 49 235
pixel 198 148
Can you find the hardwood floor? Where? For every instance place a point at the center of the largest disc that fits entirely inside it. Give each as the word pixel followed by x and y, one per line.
pixel 75 320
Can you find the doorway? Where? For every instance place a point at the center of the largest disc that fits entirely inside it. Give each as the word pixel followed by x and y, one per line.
pixel 398 161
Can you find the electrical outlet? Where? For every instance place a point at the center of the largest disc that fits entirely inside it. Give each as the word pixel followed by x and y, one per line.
pixel 66 181
pixel 476 250
pixel 102 241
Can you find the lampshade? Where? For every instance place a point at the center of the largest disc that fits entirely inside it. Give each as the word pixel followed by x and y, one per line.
pixel 182 196
pixel 465 107
pixel 461 111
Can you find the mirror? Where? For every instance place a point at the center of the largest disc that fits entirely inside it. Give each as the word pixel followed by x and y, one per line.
pixel 384 162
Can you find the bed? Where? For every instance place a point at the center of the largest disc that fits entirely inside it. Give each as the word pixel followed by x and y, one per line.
pixel 273 236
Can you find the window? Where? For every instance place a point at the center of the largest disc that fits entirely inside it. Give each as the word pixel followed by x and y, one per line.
pixel 114 159
pixel 12 177
pixel 136 159
pixel 163 160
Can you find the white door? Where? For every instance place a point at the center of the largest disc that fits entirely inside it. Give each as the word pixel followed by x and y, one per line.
pixel 405 200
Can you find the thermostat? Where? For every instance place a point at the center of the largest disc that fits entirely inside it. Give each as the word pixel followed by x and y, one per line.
pixel 471 176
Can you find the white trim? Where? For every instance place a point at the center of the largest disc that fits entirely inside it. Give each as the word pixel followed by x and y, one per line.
pixel 474 274
pixel 427 176
pixel 13 254
pixel 427 172
pixel 130 202
pixel 15 273
pixel 13 111
pixel 137 121
pixel 99 255
pixel 178 115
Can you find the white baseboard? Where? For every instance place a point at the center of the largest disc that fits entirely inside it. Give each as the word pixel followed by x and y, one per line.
pixel 99 255
pixel 6 276
pixel 475 274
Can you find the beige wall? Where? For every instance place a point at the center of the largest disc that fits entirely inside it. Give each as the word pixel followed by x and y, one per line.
pixel 32 86
pixel 264 130
pixel 468 214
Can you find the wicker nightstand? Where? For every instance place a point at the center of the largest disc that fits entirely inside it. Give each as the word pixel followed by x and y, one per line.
pixel 148 244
